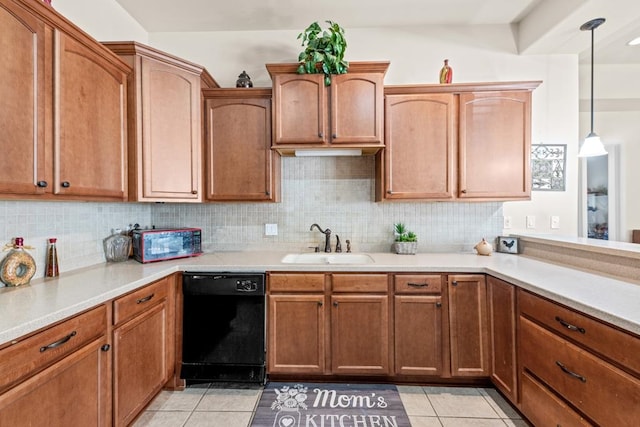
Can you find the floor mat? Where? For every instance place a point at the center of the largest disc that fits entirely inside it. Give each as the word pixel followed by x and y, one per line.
pixel 325 405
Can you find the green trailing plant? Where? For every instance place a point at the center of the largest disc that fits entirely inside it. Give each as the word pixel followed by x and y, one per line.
pixel 324 51
pixel 404 235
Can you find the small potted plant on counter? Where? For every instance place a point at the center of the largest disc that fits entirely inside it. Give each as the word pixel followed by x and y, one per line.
pixel 406 241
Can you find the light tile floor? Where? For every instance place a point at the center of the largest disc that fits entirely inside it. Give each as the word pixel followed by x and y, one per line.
pixel 232 406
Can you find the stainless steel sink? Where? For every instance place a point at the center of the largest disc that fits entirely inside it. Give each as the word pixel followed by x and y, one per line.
pixel 327 258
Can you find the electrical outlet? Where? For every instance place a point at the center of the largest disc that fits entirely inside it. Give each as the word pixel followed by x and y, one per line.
pixel 531 221
pixel 555 222
pixel 271 229
pixel 506 222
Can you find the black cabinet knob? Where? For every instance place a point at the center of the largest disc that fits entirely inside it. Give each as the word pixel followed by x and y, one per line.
pixel 65 184
pixel 42 184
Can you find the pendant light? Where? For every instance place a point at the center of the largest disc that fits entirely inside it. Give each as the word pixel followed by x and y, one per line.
pixel 592 145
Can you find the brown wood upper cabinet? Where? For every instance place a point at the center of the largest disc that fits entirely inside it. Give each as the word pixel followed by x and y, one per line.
pixel 240 165
pixel 165 127
pixel 461 141
pixel 495 145
pixel 348 113
pixel 64 109
pixel 420 137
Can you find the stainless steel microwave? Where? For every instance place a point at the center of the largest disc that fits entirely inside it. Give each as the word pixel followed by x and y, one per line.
pixel 163 244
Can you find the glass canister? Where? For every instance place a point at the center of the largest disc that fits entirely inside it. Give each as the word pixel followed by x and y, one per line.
pixel 18 267
pixel 51 268
pixel 117 246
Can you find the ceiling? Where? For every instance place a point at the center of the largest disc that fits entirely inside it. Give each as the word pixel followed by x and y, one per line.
pixel 540 26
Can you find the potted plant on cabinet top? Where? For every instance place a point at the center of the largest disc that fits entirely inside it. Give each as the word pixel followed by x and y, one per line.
pixel 406 241
pixel 324 51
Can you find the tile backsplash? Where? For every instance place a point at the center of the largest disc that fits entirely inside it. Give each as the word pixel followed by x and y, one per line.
pixel 335 192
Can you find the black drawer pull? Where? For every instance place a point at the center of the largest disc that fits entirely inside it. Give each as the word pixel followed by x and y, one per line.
pixel 570 326
pixel 438 304
pixel 65 184
pixel 57 343
pixel 145 299
pixel 418 285
pixel 320 304
pixel 454 283
pixel 568 372
pixel 42 184
pixel 335 303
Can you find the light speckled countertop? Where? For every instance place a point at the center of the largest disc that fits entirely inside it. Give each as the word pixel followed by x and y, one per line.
pixel 28 308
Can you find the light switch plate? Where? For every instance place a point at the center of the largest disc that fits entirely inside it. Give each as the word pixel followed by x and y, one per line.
pixel 271 229
pixel 531 221
pixel 555 222
pixel 506 222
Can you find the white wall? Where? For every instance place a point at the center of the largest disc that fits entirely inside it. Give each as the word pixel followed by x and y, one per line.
pixel 103 19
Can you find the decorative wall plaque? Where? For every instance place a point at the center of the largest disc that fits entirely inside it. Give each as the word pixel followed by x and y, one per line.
pixel 548 164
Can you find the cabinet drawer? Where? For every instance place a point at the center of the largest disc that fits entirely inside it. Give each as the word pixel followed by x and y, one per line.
pixel 418 283
pixel 36 352
pixel 602 392
pixel 292 282
pixel 130 305
pixel 605 340
pixel 543 408
pixel 359 282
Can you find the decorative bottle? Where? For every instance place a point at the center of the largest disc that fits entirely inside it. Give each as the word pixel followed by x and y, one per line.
pixel 446 73
pixel 51 269
pixel 18 267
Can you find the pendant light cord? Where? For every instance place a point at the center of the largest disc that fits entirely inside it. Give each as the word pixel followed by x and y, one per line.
pixel 592 43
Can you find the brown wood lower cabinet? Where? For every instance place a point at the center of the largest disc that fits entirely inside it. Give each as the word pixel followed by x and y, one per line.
pixel 296 333
pixel 418 323
pixel 143 344
pixel 60 376
pixel 469 334
pixel 501 299
pixel 73 392
pixel 543 408
pixel 587 382
pixel 352 332
pixel 360 334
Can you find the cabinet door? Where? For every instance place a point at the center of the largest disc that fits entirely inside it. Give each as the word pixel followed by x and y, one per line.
pixel 495 144
pixel 240 162
pixel 140 365
pixel 357 102
pixel 469 335
pixel 89 123
pixel 418 335
pixel 296 334
pixel 169 153
pixel 360 334
pixel 73 392
pixel 502 322
pixel 22 101
pixel 420 138
pixel 300 109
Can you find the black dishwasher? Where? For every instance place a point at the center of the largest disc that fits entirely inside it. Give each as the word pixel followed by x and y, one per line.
pixel 223 334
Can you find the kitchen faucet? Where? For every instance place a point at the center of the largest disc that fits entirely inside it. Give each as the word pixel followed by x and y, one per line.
pixel 327 236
